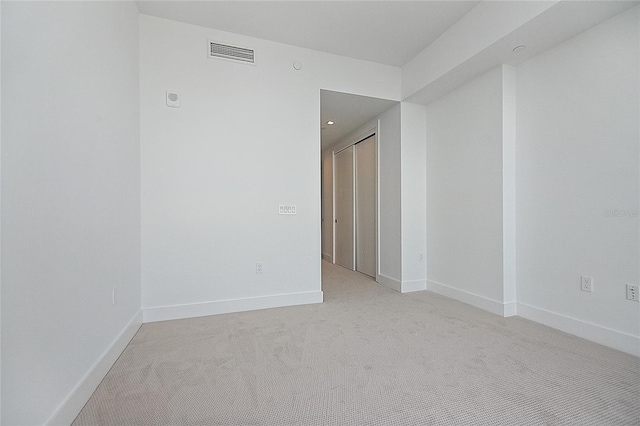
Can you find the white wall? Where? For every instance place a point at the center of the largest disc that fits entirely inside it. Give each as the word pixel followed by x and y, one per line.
pixel 464 192
pixel 389 219
pixel 327 205
pixel 577 158
pixel 245 139
pixel 413 196
pixel 509 167
pixel 0 220
pixel 70 202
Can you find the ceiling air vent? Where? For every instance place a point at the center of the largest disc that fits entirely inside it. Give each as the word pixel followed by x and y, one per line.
pixel 234 53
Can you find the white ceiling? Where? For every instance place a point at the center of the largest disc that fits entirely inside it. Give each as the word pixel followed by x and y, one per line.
pixel 387 32
pixel 348 112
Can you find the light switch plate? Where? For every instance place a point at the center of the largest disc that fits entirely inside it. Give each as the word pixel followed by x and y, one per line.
pixel 286 209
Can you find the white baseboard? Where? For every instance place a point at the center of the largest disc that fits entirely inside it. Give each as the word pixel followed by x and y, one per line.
pixel 73 403
pixel 390 282
pixel 493 306
pixel 510 309
pixel 164 313
pixel 402 286
pixel 414 285
pixel 327 257
pixel 605 336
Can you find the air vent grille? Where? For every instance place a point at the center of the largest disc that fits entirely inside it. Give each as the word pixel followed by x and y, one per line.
pixel 218 50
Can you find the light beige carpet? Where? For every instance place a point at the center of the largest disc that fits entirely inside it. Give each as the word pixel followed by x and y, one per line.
pixel 367 356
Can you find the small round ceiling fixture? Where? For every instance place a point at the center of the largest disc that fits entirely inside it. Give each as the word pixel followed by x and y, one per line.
pixel 297 66
pixel 519 48
pixel 330 123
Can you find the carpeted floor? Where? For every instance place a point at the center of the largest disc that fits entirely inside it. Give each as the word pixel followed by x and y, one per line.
pixel 367 356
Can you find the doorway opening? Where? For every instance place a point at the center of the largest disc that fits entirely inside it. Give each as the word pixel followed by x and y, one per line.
pixel 350 138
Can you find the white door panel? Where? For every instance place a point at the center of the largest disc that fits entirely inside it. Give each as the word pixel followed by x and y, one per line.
pixel 365 153
pixel 344 209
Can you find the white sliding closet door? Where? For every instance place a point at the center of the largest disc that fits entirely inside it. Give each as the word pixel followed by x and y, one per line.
pixel 365 179
pixel 344 209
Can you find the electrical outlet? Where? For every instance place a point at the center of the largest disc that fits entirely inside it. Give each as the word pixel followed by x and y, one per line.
pixel 113 297
pixel 258 267
pixel 421 257
pixel 586 284
pixel 632 292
